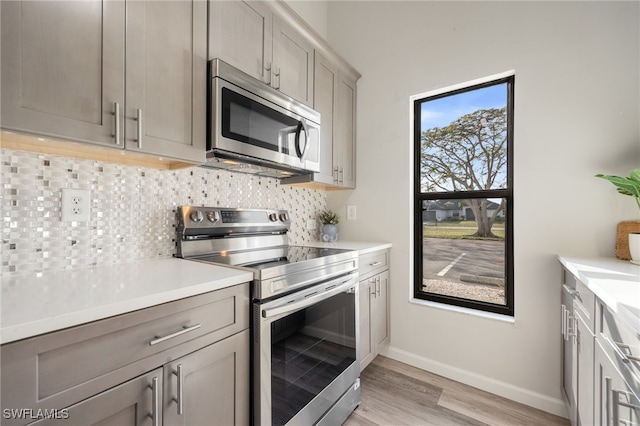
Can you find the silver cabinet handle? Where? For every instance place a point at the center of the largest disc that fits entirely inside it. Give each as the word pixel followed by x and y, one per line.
pixel 155 402
pixel 563 320
pixel 139 120
pixel 185 329
pixel 378 285
pixel 618 349
pixel 268 70
pixel 179 400
pixel 616 404
pixel 335 175
pixel 374 264
pixel 626 358
pixel 277 74
pixel 116 114
pixel 570 332
pixel 341 175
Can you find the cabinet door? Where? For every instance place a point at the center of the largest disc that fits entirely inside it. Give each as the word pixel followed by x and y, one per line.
pixel 210 386
pixel 345 131
pixel 166 78
pixel 63 68
pixel 324 101
pixel 292 62
pixel 365 341
pixel 381 311
pixel 240 33
pixel 133 403
pixel 616 403
pixel 569 355
pixel 585 341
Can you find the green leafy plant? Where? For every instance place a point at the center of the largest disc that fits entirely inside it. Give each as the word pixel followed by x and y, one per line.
pixel 626 186
pixel 328 217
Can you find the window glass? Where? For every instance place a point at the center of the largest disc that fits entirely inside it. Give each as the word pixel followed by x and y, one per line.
pixel 463 197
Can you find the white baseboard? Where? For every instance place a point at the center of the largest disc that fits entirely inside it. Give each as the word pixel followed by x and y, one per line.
pixel 506 390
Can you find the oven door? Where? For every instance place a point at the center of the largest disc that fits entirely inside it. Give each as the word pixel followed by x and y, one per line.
pixel 252 126
pixel 305 352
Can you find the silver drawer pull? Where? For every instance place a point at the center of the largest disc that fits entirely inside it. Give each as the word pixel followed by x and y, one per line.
pixel 185 330
pixel 374 264
pixel 617 403
pixel 624 356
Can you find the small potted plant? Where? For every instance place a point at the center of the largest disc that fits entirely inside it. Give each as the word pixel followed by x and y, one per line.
pixel 329 230
pixel 629 186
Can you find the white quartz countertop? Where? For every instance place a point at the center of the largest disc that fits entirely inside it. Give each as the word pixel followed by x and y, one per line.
pixel 34 305
pixel 362 247
pixel 615 282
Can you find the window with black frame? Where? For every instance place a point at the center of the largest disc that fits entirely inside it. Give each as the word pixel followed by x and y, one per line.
pixel 463 196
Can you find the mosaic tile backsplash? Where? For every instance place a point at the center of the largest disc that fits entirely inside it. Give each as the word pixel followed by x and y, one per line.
pixel 132 209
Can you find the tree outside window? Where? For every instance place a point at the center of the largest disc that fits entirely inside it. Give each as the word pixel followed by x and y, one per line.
pixel 463 141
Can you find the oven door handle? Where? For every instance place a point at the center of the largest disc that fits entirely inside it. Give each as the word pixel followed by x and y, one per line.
pixel 312 298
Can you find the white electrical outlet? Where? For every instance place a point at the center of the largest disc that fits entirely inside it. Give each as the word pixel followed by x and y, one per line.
pixel 76 205
pixel 351 212
pixel 311 224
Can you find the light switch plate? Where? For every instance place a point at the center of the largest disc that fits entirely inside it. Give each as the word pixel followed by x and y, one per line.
pixel 311 224
pixel 76 205
pixel 351 212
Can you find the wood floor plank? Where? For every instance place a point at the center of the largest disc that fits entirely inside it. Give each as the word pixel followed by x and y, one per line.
pixel 394 393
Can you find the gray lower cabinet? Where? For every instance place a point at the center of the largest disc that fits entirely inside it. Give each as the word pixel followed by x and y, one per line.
pixel 210 386
pixel 125 74
pixel 373 317
pixel 132 403
pixel 578 333
pixel 184 362
pixel 617 401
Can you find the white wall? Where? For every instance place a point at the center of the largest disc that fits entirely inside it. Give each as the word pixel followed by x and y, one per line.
pixel 314 12
pixel 576 114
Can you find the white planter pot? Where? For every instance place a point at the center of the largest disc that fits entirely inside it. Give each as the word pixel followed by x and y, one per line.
pixel 634 248
pixel 329 233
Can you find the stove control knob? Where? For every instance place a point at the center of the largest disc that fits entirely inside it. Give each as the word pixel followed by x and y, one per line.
pixel 273 217
pixel 284 217
pixel 196 216
pixel 213 216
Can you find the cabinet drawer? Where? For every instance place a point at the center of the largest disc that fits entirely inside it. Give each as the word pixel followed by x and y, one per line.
pixel 584 301
pixel 58 369
pixel 372 263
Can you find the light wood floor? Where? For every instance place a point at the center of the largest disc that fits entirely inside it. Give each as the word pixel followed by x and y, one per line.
pixel 397 394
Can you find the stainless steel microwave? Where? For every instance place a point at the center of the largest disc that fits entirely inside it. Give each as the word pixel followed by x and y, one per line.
pixel 253 128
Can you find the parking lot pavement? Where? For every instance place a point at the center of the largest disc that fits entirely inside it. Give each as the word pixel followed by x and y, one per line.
pixel 448 259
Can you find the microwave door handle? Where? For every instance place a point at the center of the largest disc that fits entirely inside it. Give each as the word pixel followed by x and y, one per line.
pixel 302 127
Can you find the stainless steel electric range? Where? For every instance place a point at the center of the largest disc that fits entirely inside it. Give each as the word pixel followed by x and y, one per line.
pixel 304 313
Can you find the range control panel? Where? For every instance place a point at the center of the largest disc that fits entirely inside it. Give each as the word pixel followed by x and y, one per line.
pixel 221 221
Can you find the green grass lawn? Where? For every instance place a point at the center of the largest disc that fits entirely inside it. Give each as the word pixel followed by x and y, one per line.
pixel 464 229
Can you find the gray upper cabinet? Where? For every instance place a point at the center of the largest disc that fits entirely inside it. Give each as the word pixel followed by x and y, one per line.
pixel 334 85
pixel 325 87
pixel 63 80
pixel 251 37
pixel 165 103
pixel 344 133
pixel 240 33
pixel 68 81
pixel 292 62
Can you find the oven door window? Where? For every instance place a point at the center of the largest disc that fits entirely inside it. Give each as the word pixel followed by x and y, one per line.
pixel 251 122
pixel 309 349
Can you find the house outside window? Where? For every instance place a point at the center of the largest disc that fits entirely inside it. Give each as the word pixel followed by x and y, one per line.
pixel 463 195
